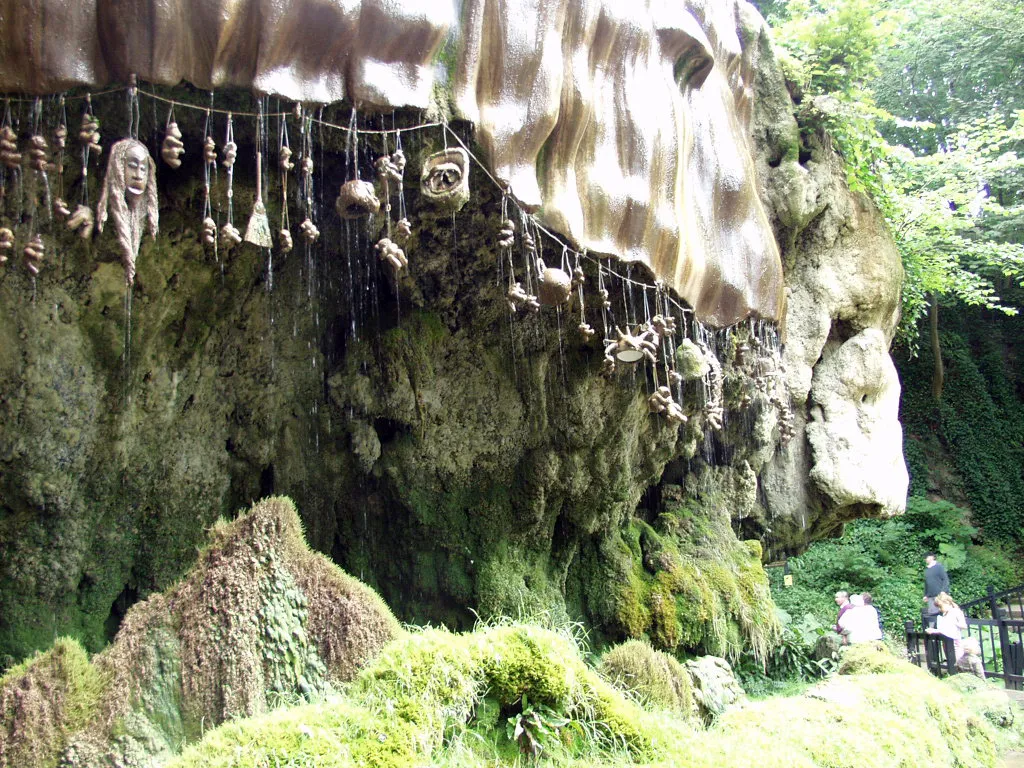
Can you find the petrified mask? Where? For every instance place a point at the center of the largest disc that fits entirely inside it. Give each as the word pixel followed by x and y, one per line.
pixel 129 199
pixel 445 179
pixel 356 200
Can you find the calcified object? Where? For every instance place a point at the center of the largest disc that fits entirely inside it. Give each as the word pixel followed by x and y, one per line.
pixel 173 148
pixel 663 326
pixel 10 157
pixel 209 151
pixel 554 287
pixel 6 244
pixel 626 125
pixel 257 231
pixel 586 331
pixel 82 221
pixel 229 236
pixel 38 154
pixel 285 162
pixel 356 200
pixel 60 208
pixel 209 236
pixel 229 154
pixel 89 133
pixel 60 137
pixel 518 299
pixel 403 231
pixel 129 197
pixel 444 180
pixel 507 234
pixel 714 411
pixel 306 167
pixel 662 402
pixel 578 277
pixel 284 237
pixel 606 302
pixel 34 252
pixel 309 231
pixel 391 168
pixel 628 348
pixel 393 256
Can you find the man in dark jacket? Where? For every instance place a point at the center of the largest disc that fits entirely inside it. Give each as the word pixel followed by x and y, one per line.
pixel 936 580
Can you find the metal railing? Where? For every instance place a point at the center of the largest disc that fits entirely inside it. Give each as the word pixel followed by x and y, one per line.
pixel 996 621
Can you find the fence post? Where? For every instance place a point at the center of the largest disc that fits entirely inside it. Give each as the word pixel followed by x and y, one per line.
pixel 1006 651
pixel 908 629
pixel 993 606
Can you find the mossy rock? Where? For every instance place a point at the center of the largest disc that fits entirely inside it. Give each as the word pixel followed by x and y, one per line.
pixel 43 701
pixel 652 676
pixel 871 658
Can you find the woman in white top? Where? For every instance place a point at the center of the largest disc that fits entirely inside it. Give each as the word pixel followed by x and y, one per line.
pixel 950 622
pixel 860 623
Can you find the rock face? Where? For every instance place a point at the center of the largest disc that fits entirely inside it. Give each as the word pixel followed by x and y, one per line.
pixel 259 618
pixel 454 454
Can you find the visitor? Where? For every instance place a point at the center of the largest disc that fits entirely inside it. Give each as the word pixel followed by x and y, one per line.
pixel 859 624
pixel 950 622
pixel 971 661
pixel 869 601
pixel 843 601
pixel 936 581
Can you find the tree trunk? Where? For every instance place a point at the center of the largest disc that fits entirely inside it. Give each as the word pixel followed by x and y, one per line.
pixel 938 373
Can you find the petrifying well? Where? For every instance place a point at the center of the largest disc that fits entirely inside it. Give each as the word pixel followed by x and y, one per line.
pixel 623 125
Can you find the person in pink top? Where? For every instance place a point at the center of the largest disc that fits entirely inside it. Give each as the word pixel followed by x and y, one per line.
pixel 843 601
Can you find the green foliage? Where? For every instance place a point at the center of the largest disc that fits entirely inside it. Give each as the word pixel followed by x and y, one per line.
pixel 654 677
pixel 979 419
pixel 535 727
pixel 885 557
pixel 792 661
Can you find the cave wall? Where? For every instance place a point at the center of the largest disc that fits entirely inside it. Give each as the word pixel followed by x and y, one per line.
pixel 454 455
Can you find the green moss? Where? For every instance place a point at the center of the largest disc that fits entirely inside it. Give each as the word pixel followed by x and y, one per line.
pixel 869 658
pixel 652 676
pixel 44 701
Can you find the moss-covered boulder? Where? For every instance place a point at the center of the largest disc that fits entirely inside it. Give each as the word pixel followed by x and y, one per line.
pixel 652 676
pixel 259 620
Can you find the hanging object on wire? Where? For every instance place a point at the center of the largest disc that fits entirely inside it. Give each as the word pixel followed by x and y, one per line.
pixel 507 233
pixel 518 298
pixel 444 180
pixel 33 254
pixel 89 132
pixel 60 143
pixel 173 147
pixel 6 244
pixel 585 329
pixel 309 231
pixel 129 198
pixel 554 283
pixel 229 234
pixel 357 200
pixel 285 165
pixel 10 157
pixel 662 402
pixel 257 231
pixel 392 256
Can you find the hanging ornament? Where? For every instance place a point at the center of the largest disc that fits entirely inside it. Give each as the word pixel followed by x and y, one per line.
pixel 309 231
pixel 661 402
pixel 285 166
pixel 507 233
pixel 60 208
pixel 10 157
pixel 129 196
pixel 229 236
pixel 257 231
pixel 60 137
pixel 209 151
pixel 403 231
pixel 173 148
pixel 82 221
pixel 554 286
pixel 89 133
pixel 38 154
pixel 6 244
pixel 628 348
pixel 209 231
pixel 33 254
pixel 586 331
pixel 391 255
pixel 444 180
pixel 714 411
pixel 356 200
pixel 391 167
pixel 518 299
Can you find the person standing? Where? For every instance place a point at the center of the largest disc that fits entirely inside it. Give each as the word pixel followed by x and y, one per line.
pixel 843 601
pixel 936 581
pixel 951 622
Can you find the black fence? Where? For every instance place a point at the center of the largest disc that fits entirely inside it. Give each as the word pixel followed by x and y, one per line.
pixel 996 621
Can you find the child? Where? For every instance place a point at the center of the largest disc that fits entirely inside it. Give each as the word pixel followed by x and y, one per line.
pixel 971 660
